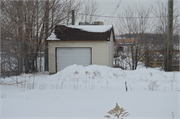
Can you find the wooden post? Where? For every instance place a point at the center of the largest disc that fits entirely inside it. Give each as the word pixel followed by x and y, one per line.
pixel 146 58
pixel 170 36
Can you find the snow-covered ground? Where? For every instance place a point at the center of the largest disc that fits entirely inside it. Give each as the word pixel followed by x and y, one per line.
pixel 79 92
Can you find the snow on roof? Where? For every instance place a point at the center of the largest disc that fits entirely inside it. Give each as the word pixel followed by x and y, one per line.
pixel 52 37
pixel 88 28
pixel 92 28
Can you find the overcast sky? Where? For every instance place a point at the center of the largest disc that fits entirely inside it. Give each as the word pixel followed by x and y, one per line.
pixel 108 6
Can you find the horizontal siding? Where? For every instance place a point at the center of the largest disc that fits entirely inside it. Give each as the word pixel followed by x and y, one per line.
pixel 99 51
pixel 77 44
pixel 110 51
pixel 52 65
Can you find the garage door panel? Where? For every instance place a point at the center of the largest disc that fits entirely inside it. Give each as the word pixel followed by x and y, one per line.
pixel 70 56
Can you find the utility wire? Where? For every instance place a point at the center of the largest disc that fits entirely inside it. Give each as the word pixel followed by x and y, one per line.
pixel 112 13
pixel 121 17
pixel 110 17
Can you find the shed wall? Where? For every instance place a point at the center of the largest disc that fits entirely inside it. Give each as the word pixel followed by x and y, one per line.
pixel 110 50
pixel 99 51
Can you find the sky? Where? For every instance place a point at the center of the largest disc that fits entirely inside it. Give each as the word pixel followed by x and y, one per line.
pixel 107 6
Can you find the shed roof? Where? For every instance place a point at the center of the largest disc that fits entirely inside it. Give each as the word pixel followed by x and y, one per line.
pixel 82 33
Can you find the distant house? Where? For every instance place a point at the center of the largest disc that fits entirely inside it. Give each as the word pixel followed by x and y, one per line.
pixel 124 44
pixel 83 45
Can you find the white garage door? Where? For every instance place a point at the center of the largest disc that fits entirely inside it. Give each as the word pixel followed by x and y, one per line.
pixel 70 56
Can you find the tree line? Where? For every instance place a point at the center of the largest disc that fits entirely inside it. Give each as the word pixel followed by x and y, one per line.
pixel 138 22
pixel 25 26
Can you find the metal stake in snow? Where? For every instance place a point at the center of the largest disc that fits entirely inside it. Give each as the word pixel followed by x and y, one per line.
pixel 126 86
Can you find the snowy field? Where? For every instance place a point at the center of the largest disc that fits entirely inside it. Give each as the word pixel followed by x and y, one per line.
pixel 79 92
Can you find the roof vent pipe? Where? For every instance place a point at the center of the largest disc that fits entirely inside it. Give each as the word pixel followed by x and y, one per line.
pixel 73 17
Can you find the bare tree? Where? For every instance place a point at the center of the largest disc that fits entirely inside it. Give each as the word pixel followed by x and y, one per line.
pixel 135 22
pixel 89 11
pixel 29 23
pixel 160 10
pixel 73 6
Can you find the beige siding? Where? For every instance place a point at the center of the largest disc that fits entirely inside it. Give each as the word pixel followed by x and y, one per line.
pixel 99 51
pixel 52 65
pixel 110 51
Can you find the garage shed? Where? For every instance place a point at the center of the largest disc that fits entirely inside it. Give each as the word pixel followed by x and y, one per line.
pixel 82 45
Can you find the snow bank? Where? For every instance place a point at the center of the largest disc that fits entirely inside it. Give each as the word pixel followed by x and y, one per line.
pixel 79 92
pixel 105 72
pixel 81 73
pixel 116 77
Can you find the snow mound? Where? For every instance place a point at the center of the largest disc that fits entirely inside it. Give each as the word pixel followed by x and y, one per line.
pixel 82 73
pixel 104 73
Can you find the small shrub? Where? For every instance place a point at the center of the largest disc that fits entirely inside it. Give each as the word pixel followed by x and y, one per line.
pixel 2 95
pixel 172 115
pixel 87 73
pixel 171 82
pixel 76 73
pixel 115 75
pixel 118 112
pixel 153 86
pixel 61 85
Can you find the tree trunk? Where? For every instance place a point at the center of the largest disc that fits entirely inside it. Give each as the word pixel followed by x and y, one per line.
pixel 20 34
pixel 46 35
pixel 132 57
